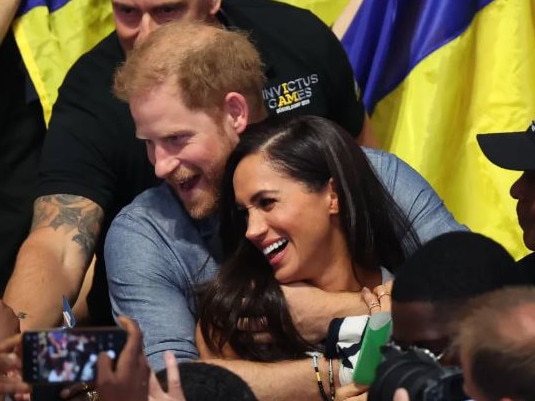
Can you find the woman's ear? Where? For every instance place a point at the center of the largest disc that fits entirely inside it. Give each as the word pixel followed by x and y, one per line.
pixel 334 207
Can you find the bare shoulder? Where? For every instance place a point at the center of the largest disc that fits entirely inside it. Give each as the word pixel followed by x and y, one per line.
pixel 78 217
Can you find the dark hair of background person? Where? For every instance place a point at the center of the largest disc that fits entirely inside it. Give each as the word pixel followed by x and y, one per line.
pixel 495 334
pixel 454 267
pixel 310 150
pixel 205 382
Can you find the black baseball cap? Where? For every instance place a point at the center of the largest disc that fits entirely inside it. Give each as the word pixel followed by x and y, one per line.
pixel 510 150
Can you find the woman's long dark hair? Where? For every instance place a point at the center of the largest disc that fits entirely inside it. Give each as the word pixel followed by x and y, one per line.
pixel 310 150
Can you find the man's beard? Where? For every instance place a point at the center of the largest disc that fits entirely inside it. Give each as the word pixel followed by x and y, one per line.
pixel 206 202
pixel 208 205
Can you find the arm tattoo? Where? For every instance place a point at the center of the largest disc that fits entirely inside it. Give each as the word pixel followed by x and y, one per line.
pixel 70 212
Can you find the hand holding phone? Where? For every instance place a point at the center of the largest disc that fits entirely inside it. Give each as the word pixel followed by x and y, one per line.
pixel 129 379
pixel 67 355
pixel 10 366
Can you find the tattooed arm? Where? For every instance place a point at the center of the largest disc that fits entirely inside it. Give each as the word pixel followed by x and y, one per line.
pixel 54 258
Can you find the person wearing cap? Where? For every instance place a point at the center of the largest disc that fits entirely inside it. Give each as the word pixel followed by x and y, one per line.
pixel 516 151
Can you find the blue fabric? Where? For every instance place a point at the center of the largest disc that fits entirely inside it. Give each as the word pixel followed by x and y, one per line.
pixel 387 38
pixel 52 5
pixel 155 255
pixel 413 194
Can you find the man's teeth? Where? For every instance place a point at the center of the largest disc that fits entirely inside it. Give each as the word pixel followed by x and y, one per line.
pixel 269 249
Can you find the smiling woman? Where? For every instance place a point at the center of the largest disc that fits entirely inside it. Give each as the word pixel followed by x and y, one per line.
pixel 300 203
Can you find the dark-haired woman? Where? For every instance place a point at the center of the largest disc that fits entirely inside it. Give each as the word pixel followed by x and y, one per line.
pixel 300 203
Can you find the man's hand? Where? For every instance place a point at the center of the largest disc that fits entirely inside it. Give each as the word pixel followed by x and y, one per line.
pixel 174 387
pixel 313 309
pixel 10 368
pixel 129 380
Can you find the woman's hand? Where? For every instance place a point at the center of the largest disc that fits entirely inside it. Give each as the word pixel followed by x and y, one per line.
pixel 174 388
pixel 379 299
pixel 129 380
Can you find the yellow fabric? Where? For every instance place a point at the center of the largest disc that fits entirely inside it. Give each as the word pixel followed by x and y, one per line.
pixel 51 42
pixel 483 81
pixel 326 10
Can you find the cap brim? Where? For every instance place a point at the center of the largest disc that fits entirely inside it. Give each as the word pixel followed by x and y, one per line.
pixel 513 151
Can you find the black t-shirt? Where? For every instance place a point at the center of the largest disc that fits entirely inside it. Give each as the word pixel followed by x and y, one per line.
pixel 527 264
pixel 22 130
pixel 91 149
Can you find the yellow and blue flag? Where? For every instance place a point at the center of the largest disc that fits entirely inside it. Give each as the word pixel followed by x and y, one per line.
pixel 52 34
pixel 434 73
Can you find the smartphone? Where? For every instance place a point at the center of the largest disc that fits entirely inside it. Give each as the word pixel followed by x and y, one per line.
pixel 67 355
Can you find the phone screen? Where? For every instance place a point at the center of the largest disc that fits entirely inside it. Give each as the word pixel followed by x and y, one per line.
pixel 67 355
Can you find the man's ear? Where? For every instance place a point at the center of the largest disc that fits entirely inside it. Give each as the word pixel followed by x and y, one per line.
pixel 213 6
pixel 237 109
pixel 334 207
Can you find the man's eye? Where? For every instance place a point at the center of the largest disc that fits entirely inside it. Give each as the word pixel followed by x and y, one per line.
pixel 124 10
pixel 174 140
pixel 166 9
pixel 167 13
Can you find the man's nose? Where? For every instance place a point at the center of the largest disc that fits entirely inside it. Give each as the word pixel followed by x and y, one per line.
pixel 164 162
pixel 146 26
pixel 517 187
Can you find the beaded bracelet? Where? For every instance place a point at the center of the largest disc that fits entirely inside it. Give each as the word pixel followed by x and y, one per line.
pixel 315 365
pixel 331 380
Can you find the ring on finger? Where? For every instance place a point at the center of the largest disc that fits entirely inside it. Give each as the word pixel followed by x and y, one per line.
pixel 383 294
pixel 374 305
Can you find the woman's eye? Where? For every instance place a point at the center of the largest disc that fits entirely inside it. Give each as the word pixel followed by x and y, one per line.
pixel 266 203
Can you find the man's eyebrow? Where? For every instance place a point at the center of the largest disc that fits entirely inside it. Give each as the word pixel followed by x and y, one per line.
pixel 169 4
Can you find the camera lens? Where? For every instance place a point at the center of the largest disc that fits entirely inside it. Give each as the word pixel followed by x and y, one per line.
pixel 417 372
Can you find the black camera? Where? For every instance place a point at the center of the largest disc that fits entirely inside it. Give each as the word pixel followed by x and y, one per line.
pixel 419 372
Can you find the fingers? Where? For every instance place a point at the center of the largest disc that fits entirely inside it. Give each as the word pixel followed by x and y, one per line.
pixel 252 324
pixel 10 343
pixel 155 390
pixel 371 301
pixel 401 395
pixel 10 387
pixel 257 327
pixel 382 292
pixel 378 300
pixel 9 362
pixel 262 338
pixel 77 389
pixel 174 387
pixel 133 348
pixel 104 369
